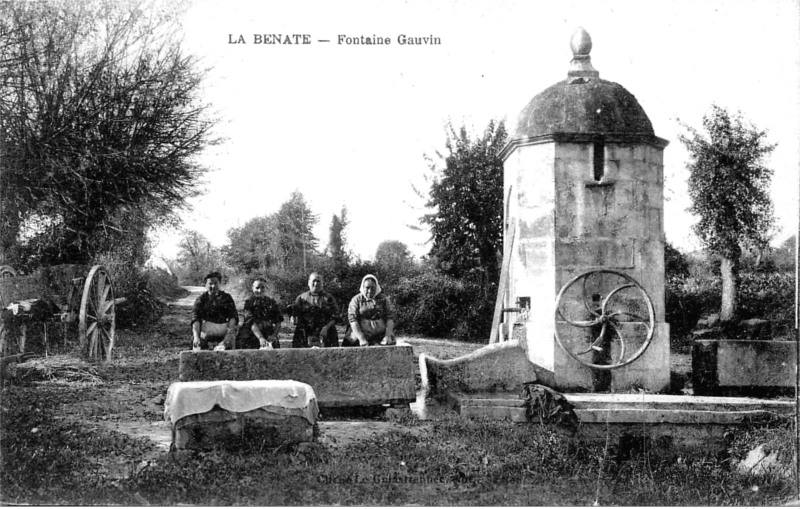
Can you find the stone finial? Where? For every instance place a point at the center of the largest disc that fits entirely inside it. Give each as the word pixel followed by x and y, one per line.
pixel 581 64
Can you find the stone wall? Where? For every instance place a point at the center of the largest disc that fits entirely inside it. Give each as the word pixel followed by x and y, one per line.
pixel 339 376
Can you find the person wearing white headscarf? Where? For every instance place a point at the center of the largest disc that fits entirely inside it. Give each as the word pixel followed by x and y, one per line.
pixel 371 316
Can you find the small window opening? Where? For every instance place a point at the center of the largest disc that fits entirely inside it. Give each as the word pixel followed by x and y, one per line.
pixel 599 161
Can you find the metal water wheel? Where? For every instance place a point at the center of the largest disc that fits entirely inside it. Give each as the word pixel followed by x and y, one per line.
pixel 611 316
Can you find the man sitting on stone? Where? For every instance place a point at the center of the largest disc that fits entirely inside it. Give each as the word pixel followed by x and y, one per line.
pixel 261 320
pixel 214 315
pixel 314 313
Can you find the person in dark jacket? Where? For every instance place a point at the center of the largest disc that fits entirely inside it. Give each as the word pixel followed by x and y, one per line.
pixel 214 315
pixel 261 320
pixel 314 314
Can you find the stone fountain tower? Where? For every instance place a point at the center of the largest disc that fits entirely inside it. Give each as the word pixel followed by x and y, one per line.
pixel 582 287
pixel 583 177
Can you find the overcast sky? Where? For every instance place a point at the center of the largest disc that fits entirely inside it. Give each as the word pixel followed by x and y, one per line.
pixel 349 124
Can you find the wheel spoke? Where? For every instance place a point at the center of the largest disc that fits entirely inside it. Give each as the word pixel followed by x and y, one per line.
pixel 621 355
pixel 92 300
pixel 579 323
pixel 106 333
pixel 93 342
pixel 101 284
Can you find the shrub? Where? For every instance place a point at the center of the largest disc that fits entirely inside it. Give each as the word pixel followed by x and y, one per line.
pixel 689 298
pixel 142 288
pixel 768 295
pixel 437 305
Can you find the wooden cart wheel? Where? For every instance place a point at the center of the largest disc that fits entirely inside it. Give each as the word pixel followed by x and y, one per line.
pixel 7 271
pixel 97 315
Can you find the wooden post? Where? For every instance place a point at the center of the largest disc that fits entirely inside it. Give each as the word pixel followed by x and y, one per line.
pixel 502 285
pixel 797 358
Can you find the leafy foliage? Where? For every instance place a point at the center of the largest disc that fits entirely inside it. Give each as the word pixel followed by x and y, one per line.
pixel 394 260
pixel 675 263
pixel 250 247
pixel 729 184
pixel 283 240
pixel 729 188
pixel 196 258
pixel 767 295
pixel 100 121
pixel 466 196
pixel 438 305
pixel 337 239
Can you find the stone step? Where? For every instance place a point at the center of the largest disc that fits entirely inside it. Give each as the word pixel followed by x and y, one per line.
pixel 629 408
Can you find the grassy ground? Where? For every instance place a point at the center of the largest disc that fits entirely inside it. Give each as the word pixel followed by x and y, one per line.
pixel 65 442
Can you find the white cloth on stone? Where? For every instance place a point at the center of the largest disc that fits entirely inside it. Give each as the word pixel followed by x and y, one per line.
pixel 191 398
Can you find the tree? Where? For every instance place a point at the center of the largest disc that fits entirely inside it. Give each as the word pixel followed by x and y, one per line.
pixel 196 257
pixel 295 239
pixel 728 185
pixel 283 240
pixel 466 196
pixel 783 257
pixel 252 247
pixel 337 240
pixel 100 121
pixel 393 259
pixel 675 262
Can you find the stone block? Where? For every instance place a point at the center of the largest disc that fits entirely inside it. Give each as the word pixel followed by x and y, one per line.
pixel 724 366
pixel 586 253
pixel 269 412
pixel 496 367
pixel 339 376
pixel 262 427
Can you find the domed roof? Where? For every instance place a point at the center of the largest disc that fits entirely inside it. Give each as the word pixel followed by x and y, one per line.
pixel 586 106
pixel 583 103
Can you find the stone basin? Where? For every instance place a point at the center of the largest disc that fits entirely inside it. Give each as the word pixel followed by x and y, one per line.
pixel 743 367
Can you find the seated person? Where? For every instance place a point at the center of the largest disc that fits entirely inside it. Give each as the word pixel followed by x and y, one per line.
pixel 371 316
pixel 314 313
pixel 214 315
pixel 262 319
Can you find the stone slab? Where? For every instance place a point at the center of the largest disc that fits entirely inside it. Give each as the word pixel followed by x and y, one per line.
pixel 673 424
pixel 631 408
pixel 729 366
pixel 259 426
pixel 339 376
pixel 495 413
